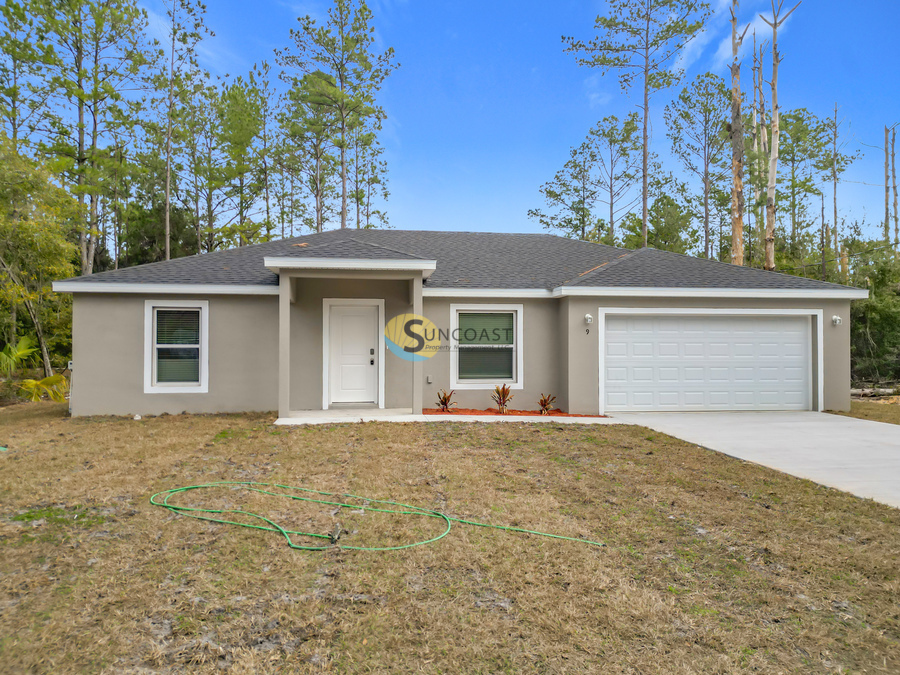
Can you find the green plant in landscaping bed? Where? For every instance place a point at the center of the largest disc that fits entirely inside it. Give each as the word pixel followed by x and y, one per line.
pixel 545 402
pixel 502 396
pixel 445 400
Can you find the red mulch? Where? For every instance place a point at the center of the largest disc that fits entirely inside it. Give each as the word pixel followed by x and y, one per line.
pixel 556 412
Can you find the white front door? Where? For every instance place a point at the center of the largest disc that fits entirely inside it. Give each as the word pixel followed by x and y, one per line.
pixel 353 354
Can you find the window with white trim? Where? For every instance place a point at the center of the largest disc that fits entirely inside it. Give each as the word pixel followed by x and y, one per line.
pixel 486 346
pixel 176 337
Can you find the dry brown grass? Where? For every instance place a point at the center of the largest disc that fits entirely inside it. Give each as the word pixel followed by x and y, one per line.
pixel 883 410
pixel 713 565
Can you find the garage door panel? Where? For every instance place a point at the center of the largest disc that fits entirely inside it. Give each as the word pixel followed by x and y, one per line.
pixel 707 362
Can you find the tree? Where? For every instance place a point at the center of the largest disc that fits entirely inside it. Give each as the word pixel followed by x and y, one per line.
pixel 185 26
pixel 777 21
pixel 368 174
pixel 144 241
pixel 670 227
pixel 101 57
pixel 36 217
pixel 261 81
pixel 571 196
pixel 640 39
pixel 618 157
pixel 342 48
pixel 802 151
pixel 308 130
pixel 24 57
pixel 696 125
pixel 737 144
pixel 832 165
pixel 240 127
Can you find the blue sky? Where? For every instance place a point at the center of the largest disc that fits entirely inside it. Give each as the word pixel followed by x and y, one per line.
pixel 486 104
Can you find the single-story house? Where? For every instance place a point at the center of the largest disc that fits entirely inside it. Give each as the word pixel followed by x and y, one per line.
pixel 387 318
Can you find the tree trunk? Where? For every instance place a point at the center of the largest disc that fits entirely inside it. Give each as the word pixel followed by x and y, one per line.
pixel 887 189
pixel 343 174
pixel 894 175
pixel 168 234
pixel 81 159
pixel 776 135
pixel 823 240
pixel 737 150
pixel 706 214
pixel 834 180
pixel 645 182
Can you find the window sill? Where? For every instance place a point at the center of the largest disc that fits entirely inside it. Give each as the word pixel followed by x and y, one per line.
pixel 176 389
pixel 474 385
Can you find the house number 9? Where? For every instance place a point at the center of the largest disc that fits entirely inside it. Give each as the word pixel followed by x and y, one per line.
pixel 587 331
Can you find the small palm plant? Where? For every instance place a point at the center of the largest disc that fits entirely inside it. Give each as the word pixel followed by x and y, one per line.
pixel 502 396
pixel 13 356
pixel 53 387
pixel 445 400
pixel 545 402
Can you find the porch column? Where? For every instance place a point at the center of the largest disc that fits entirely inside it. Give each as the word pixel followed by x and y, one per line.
pixel 417 386
pixel 284 345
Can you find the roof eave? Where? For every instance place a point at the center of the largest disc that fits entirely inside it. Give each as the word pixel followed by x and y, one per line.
pixel 845 293
pixel 276 264
pixel 71 286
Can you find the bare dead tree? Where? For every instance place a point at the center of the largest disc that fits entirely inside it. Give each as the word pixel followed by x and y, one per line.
pixel 737 143
pixel 894 175
pixel 823 240
pixel 777 21
pixel 887 185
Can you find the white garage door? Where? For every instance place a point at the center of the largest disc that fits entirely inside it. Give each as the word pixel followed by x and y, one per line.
pixel 667 362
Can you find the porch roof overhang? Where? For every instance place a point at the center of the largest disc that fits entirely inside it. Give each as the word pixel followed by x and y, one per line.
pixel 293 263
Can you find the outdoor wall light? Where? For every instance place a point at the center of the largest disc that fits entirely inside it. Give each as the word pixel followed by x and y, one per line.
pixel 588 319
pixel 836 320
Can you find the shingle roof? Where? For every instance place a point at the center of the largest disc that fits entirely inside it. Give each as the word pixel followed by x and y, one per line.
pixel 651 268
pixel 469 260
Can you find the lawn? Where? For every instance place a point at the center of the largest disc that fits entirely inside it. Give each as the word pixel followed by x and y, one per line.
pixel 887 411
pixel 710 564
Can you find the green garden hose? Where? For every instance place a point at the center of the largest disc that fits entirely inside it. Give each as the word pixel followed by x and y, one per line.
pixel 162 499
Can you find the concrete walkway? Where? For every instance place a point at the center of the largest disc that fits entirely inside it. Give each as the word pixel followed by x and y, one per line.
pixel 857 456
pixel 344 415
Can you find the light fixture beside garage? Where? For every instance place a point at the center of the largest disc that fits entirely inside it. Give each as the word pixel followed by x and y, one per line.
pixel 588 319
pixel 836 320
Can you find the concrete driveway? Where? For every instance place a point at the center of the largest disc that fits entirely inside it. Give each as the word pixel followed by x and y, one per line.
pixel 857 456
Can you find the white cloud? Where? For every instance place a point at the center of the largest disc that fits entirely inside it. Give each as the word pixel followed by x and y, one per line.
pixel 597 96
pixel 763 32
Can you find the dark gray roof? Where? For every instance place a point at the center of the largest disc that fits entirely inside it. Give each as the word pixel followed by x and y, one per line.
pixel 648 267
pixel 466 260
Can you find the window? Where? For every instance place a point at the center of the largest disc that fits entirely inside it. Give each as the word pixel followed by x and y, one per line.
pixel 176 337
pixel 486 347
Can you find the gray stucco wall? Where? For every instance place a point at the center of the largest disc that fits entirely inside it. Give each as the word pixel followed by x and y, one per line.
pixel 560 358
pixel 306 337
pixel 108 357
pixel 584 349
pixel 543 355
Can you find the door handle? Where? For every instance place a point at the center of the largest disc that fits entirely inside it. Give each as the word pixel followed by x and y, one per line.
pixel 371 362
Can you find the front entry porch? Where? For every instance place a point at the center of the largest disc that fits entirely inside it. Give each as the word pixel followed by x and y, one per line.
pixel 332 351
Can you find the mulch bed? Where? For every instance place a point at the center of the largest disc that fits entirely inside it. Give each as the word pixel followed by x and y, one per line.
pixel 556 412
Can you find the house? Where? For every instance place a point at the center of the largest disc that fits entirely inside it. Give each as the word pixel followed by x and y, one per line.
pixel 387 318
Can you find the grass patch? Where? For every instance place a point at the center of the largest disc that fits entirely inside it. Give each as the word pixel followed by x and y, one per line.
pixel 711 564
pixel 888 412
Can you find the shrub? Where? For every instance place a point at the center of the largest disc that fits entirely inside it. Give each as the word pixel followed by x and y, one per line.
pixel 546 403
pixel 445 400
pixel 502 396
